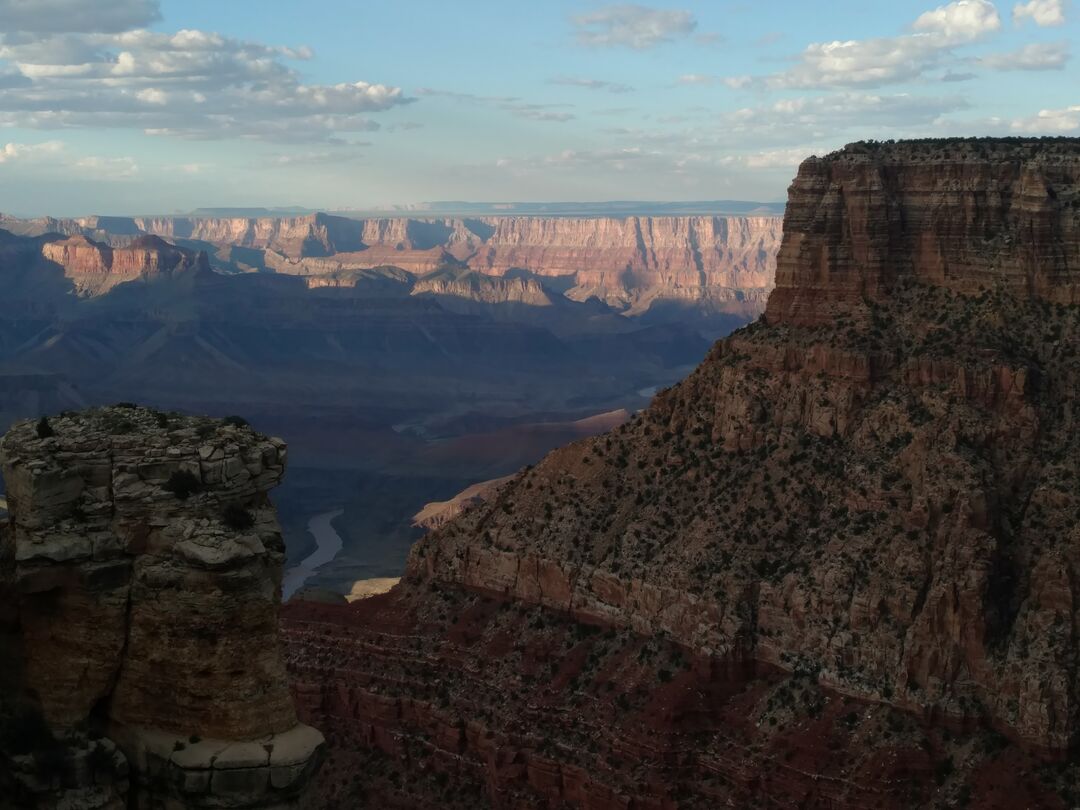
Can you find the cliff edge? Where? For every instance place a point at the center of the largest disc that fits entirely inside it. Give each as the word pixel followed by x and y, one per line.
pixel 143 559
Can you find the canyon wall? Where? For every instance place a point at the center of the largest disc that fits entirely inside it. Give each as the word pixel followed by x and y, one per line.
pixel 853 526
pixel 144 561
pixel 722 263
pixel 964 218
pixel 95 268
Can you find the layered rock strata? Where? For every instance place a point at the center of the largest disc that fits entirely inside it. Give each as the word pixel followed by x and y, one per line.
pixel 145 560
pixel 719 263
pixel 870 495
pixel 96 268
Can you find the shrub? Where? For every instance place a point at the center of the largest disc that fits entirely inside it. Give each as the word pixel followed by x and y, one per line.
pixel 236 421
pixel 237 517
pixel 183 484
pixel 44 429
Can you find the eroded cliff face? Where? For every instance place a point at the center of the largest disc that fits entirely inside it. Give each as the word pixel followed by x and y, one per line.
pixel 964 217
pixel 144 560
pixel 721 263
pixel 854 525
pixel 94 268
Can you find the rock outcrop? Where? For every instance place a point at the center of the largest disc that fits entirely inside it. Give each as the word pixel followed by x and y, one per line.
pixel 145 560
pixel 850 537
pixel 95 268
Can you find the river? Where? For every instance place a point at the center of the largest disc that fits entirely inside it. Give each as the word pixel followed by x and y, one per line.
pixel 327 546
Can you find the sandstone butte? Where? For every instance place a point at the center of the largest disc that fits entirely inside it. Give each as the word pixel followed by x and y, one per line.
pixel 96 268
pixel 140 574
pixel 725 263
pixel 835 567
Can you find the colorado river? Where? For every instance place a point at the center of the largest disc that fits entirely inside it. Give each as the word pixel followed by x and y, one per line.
pixel 328 544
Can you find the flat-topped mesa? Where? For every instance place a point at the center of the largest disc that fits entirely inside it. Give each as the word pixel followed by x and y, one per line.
pixel 966 214
pixel 147 559
pixel 96 268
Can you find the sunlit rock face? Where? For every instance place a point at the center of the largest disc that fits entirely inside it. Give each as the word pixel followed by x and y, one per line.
pixel 146 559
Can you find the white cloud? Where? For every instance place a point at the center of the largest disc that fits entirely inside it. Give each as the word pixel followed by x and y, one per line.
pixel 632 26
pixel 696 78
pixel 1045 13
pixel 592 84
pixel 66 16
pixel 1036 56
pixel 960 21
pixel 54 154
pixel 107 168
pixel 511 104
pixel 11 152
pixel 190 83
pixel 1050 122
pixel 886 60
pixel 777 158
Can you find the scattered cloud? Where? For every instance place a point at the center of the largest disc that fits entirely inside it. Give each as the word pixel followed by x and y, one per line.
pixel 592 84
pixel 11 152
pixel 54 155
pixel 76 16
pixel 959 22
pixel 1050 122
pixel 632 26
pixel 886 60
pixel 1036 56
pixel 102 168
pixel 329 157
pixel 511 104
pixel 775 158
pixel 189 84
pixel 710 40
pixel 1045 13
pixel 696 78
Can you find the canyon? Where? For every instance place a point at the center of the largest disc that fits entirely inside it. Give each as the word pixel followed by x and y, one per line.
pixel 716 263
pixel 833 567
pixel 403 358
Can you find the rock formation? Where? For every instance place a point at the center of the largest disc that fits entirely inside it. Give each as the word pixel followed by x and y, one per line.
pixel 96 268
pixel 714 263
pixel 835 566
pixel 144 561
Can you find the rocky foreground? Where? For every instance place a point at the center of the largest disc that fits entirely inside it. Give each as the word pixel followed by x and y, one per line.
pixel 140 575
pixel 835 567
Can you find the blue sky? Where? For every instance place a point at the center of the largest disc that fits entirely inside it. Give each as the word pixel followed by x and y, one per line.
pixel 139 106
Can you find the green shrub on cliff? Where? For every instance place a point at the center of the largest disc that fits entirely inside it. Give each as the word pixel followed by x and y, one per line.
pixel 183 484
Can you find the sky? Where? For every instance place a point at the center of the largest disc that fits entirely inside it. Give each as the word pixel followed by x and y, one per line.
pixel 161 106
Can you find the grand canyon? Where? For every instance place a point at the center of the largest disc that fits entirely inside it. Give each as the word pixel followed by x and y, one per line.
pixel 833 566
pixel 581 405
pixel 443 352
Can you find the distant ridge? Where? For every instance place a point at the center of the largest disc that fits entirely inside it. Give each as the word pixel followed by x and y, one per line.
pixel 600 209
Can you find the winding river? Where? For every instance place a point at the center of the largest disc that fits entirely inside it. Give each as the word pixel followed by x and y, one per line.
pixel 327 546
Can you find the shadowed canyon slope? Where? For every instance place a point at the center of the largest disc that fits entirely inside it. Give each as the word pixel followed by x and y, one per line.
pixel 834 567
pixel 380 348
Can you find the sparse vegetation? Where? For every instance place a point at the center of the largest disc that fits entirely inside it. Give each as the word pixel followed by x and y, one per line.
pixel 183 484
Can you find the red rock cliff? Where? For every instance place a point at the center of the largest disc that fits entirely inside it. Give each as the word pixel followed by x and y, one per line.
pixel 966 217
pixel 858 519
pixel 95 268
